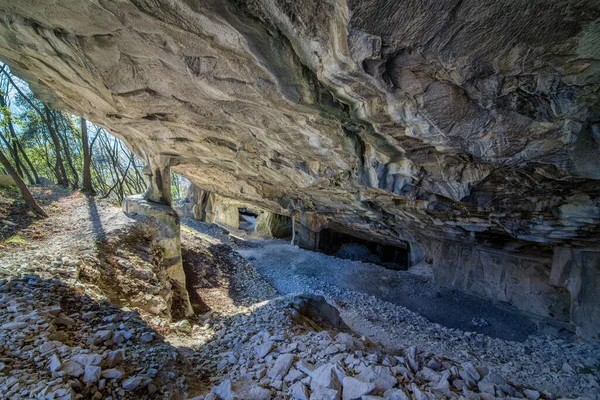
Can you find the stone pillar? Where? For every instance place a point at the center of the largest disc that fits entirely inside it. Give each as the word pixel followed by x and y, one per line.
pixel 307 228
pixel 416 253
pixel 158 172
pixel 210 213
pixel 156 203
pixel 168 240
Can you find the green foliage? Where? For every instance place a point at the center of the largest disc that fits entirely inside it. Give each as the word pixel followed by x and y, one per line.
pixel 116 171
pixel 179 187
pixel 16 239
pixel 590 371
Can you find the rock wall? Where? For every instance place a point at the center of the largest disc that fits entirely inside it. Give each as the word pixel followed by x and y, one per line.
pixel 522 281
pixel 168 239
pixel 210 207
pixel 579 272
pixel 450 121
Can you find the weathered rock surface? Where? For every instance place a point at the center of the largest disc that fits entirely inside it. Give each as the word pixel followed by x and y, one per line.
pixel 167 238
pixel 210 207
pixel 424 123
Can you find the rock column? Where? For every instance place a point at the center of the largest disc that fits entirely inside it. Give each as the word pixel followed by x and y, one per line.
pixel 578 270
pixel 156 203
pixel 158 172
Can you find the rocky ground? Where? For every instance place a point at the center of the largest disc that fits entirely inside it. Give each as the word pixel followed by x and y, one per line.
pixel 552 363
pixel 83 315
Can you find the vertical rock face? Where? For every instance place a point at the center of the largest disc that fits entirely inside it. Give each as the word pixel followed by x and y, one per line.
pixel 169 241
pixel 454 121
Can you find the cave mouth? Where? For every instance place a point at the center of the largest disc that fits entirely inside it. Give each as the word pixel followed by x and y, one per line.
pixel 247 219
pixel 350 247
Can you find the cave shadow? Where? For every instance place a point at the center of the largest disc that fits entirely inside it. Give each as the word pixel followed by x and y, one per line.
pixel 215 268
pixel 51 291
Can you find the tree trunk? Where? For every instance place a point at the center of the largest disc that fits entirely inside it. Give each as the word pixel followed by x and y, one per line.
pixel 87 158
pixel 15 152
pixel 27 196
pixel 18 147
pixel 36 177
pixel 67 150
pixel 10 142
pixel 61 173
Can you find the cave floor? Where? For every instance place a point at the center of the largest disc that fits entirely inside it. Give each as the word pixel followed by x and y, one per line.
pixel 450 308
pixel 82 315
pixel 400 309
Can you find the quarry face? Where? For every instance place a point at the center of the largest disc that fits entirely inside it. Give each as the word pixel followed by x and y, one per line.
pixel 466 132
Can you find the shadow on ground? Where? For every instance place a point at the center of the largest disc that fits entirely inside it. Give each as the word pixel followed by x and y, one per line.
pixel 219 280
pixel 95 218
pixel 77 322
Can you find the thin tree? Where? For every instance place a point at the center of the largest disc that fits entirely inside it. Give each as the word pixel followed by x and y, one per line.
pixel 65 146
pixel 27 196
pixel 87 159
pixel 59 168
pixel 10 142
pixel 18 147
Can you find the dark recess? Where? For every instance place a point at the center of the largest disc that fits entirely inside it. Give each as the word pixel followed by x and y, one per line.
pixel 349 247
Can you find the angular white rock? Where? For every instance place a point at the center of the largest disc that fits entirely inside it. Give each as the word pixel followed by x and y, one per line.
pixel 281 366
pixel 299 391
pixel 355 389
pixel 92 374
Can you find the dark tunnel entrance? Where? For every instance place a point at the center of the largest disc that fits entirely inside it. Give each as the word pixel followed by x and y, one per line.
pixel 350 247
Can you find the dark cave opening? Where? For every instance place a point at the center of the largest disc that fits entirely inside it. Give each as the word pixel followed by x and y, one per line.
pixel 346 246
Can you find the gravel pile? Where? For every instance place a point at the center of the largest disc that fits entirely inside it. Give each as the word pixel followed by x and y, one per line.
pixel 56 343
pixel 285 350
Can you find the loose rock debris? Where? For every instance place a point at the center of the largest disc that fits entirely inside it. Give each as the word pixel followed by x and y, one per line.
pixel 66 334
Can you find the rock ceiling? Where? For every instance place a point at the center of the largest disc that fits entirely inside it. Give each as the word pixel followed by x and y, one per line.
pixel 410 120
